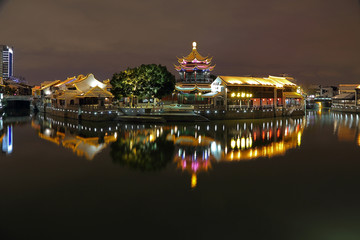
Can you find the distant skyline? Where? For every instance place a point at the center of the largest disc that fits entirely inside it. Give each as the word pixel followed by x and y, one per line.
pixel 315 41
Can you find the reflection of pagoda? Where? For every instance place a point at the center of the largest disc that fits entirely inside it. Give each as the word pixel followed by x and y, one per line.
pixel 195 80
pixel 194 153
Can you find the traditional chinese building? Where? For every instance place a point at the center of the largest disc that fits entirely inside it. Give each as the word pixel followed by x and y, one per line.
pixel 194 71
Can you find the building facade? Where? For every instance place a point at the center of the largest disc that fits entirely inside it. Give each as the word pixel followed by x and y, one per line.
pixel 195 80
pixel 348 98
pixel 6 61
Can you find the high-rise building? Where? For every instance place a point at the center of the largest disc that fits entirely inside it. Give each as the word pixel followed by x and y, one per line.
pixel 6 61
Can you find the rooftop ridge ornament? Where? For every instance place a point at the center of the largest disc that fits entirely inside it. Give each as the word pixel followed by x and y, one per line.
pixel 194 45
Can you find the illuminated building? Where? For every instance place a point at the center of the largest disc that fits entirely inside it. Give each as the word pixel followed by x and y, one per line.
pixel 81 97
pixel 6 62
pixel 194 71
pixel 83 90
pixel 348 98
pixel 252 92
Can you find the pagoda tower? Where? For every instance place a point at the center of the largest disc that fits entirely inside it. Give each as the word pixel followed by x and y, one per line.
pixel 194 68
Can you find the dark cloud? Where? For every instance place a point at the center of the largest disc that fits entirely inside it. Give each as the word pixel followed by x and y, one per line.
pixel 315 41
pixel 2 3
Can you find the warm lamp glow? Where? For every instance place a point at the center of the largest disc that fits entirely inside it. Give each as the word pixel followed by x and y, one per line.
pixel 193 180
pixel 194 45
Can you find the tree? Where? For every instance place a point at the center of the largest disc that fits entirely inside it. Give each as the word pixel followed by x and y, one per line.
pixel 149 80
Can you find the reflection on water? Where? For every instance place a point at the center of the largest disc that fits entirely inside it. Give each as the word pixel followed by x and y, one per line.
pixel 145 149
pixel 194 148
pixel 6 132
pixel 6 138
pixel 346 125
pixel 83 140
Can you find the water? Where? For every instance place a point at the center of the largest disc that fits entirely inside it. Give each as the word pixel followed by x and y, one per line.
pixel 264 179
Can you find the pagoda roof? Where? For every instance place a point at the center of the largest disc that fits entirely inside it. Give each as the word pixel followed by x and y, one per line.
pixel 194 55
pixel 193 87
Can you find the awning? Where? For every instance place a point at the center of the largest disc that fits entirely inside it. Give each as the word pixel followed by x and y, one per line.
pixel 210 94
pixel 345 96
pixel 292 95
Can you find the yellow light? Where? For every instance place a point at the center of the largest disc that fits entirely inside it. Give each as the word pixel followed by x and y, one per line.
pixel 199 93
pixel 243 142
pixel 238 94
pixel 193 180
pixel 238 142
pixel 152 137
pixel 299 138
pixel 242 94
pixel 232 143
pixel 247 95
pixel 233 94
pixel 251 95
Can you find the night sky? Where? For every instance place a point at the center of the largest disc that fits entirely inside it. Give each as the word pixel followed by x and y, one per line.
pixel 315 41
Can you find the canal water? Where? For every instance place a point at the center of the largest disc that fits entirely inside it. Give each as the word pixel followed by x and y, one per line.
pixel 284 178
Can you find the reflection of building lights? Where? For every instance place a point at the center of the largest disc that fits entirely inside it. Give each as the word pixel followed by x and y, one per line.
pixel 242 142
pixel 199 138
pixel 232 143
pixel 47 132
pixel 238 143
pixel 299 138
pixel 152 138
pixel 193 180
pixel 213 146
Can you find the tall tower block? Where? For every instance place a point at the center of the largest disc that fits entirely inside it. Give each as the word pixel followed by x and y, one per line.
pixel 6 61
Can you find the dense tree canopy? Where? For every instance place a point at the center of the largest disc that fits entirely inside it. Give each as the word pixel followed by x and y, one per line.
pixel 144 81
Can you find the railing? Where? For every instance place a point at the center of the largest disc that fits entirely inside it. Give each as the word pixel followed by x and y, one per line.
pixel 87 107
pixel 194 81
pixel 254 108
